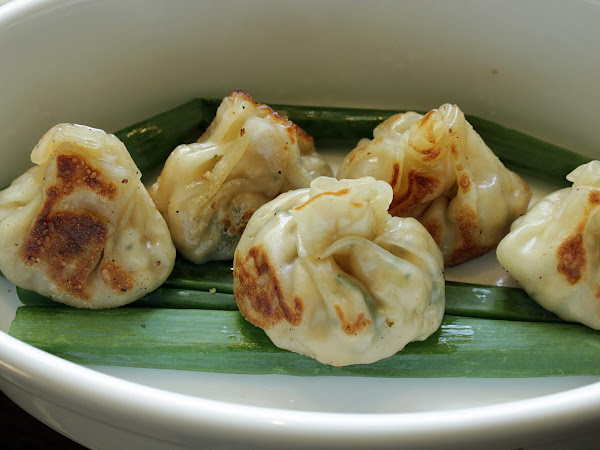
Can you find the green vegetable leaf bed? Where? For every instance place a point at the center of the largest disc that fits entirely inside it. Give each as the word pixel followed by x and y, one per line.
pixel 192 322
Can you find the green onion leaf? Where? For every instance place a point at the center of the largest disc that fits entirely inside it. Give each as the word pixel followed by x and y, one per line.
pixel 215 274
pixel 494 302
pixel 518 151
pixel 462 299
pixel 160 298
pixel 222 341
pixel 151 141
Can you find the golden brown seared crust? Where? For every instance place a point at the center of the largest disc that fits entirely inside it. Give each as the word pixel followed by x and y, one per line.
pixel 69 243
pixel 465 183
pixel 351 327
pixel 115 278
pixel 425 126
pixel 258 292
pixel 241 93
pixel 418 187
pixel 74 172
pixel 571 256
pixel 395 175
pixel 232 226
pixel 468 228
pixel 454 150
pixel 571 253
pixel 435 229
pixel 594 198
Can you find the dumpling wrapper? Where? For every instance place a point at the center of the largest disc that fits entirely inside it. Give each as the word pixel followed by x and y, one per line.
pixel 80 227
pixel 553 251
pixel 208 190
pixel 328 273
pixel 443 174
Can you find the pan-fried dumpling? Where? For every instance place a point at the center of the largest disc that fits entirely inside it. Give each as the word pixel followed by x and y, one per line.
pixel 80 227
pixel 443 174
pixel 208 190
pixel 328 273
pixel 554 249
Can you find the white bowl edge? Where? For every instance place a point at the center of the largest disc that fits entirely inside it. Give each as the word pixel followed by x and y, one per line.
pixel 192 418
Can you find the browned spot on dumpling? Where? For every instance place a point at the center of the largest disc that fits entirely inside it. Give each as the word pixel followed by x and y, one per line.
pixel 69 244
pixel 430 154
pixel 469 247
pixel 291 132
pixel 233 225
pixel 74 172
pixel 426 125
pixel 323 194
pixel 395 174
pixel 303 137
pixel 357 204
pixel 242 94
pixel 351 327
pixel 258 291
pixel 468 226
pixel 435 228
pixel 460 167
pixel 419 187
pixel 594 197
pixel 116 278
pixel 454 150
pixel 571 257
pixel 598 292
pixel 425 129
pixel 464 183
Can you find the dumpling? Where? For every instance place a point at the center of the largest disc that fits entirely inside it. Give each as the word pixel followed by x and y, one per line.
pixel 554 249
pixel 80 227
pixel 443 174
pixel 208 190
pixel 328 273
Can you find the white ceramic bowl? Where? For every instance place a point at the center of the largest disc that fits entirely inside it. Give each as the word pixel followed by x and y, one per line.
pixel 530 65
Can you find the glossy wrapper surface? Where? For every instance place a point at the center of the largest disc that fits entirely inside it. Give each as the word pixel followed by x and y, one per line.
pixel 80 227
pixel 443 174
pixel 554 250
pixel 207 191
pixel 328 273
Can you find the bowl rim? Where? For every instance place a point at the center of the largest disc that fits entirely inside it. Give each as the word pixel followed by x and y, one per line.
pixel 75 386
